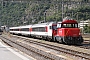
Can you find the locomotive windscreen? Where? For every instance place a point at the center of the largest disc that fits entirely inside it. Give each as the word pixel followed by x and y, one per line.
pixel 67 25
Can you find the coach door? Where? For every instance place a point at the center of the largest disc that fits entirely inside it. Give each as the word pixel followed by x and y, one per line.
pixel 54 30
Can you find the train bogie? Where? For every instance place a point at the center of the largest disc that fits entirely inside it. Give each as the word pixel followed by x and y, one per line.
pixel 73 40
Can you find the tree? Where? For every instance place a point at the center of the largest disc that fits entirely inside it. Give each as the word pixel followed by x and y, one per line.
pixel 86 29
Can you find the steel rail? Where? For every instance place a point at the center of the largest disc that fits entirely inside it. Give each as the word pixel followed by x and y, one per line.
pixel 61 49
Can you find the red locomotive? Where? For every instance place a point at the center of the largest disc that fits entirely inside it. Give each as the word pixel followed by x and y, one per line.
pixel 66 31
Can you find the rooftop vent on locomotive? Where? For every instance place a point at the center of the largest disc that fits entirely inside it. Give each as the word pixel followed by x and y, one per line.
pixel 68 32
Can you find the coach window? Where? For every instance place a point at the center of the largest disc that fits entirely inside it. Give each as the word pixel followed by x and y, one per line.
pixel 16 29
pixel 11 29
pixel 39 29
pixel 25 29
pixel 42 29
pixel 35 29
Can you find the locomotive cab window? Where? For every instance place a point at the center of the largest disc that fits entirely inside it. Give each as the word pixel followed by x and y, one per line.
pixel 58 25
pixel 69 25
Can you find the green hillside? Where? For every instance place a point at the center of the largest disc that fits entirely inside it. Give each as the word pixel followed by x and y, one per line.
pixel 28 12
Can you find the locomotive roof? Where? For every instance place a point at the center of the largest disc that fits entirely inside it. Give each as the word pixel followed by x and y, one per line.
pixel 68 20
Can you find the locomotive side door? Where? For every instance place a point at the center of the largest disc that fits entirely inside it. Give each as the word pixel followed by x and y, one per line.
pixel 59 29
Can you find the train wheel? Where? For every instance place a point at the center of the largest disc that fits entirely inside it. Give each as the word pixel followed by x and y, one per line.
pixel 64 41
pixel 78 44
pixel 59 39
pixel 54 39
pixel 47 38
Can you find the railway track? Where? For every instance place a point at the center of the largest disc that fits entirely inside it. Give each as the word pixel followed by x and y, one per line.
pixel 86 35
pixel 45 51
pixel 85 44
pixel 34 52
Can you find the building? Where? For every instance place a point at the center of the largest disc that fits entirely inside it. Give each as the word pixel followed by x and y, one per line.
pixel 84 23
